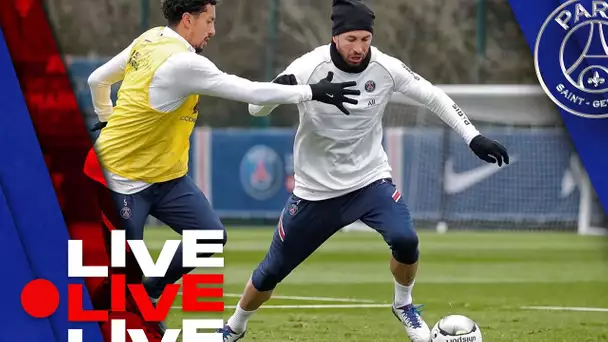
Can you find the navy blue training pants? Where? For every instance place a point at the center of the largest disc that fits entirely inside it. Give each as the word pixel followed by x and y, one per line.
pixel 178 203
pixel 305 225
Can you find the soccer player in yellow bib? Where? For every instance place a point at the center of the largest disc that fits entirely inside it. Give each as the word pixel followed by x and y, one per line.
pixel 144 140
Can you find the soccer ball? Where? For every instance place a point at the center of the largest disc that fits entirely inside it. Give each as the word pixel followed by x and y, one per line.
pixel 456 328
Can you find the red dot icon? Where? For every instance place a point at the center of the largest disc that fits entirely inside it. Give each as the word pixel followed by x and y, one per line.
pixel 40 298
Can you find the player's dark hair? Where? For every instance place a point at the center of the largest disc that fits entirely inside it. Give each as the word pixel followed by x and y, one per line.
pixel 175 9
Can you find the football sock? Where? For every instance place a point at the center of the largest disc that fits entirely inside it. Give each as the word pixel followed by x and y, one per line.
pixel 403 294
pixel 238 321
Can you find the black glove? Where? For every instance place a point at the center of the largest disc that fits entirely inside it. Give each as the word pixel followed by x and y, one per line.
pixel 333 93
pixel 489 150
pixel 286 80
pixel 99 126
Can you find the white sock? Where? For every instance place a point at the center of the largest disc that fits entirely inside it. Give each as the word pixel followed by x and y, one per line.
pixel 238 321
pixel 403 294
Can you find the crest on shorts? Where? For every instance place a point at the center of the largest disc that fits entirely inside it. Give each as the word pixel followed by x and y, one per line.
pixel 370 86
pixel 126 213
pixel 293 209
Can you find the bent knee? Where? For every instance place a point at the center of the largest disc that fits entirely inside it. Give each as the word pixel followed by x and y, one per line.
pixel 404 246
pixel 216 238
pixel 403 240
pixel 265 280
pixel 224 239
pixel 225 236
pixel 269 274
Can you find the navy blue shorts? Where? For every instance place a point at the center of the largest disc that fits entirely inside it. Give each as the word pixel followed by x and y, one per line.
pixel 305 225
pixel 178 203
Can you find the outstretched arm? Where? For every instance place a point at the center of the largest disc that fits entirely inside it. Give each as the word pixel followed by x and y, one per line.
pixel 417 88
pixel 287 79
pixel 101 81
pixel 436 100
pixel 194 74
pixel 294 74
pixel 198 75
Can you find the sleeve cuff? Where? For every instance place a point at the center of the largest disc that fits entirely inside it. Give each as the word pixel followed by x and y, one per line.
pixel 307 93
pixel 470 135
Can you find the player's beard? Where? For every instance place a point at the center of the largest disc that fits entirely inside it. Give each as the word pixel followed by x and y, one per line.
pixel 198 49
pixel 347 61
pixel 361 59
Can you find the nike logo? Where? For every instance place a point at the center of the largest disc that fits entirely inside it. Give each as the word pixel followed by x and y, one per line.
pixel 331 96
pixel 458 182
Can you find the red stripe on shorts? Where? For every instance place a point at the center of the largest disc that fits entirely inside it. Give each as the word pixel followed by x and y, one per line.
pixel 281 230
pixel 396 195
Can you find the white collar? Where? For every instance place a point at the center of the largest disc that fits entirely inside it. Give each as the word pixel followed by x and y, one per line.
pixel 169 32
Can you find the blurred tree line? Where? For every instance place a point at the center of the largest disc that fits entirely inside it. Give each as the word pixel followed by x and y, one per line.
pixel 437 38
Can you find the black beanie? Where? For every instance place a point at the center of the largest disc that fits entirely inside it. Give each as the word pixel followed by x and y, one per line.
pixel 351 15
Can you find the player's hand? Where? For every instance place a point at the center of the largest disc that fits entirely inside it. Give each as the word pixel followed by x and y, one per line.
pixel 334 93
pixel 489 150
pixel 286 80
pixel 99 126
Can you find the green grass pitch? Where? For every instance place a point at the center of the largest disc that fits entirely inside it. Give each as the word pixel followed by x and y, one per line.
pixel 490 277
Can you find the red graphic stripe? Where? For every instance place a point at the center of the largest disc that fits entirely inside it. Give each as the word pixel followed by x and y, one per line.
pixel 92 168
pixel 62 134
pixel 107 222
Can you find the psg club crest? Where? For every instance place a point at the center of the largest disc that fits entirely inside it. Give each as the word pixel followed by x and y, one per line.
pixel 126 213
pixel 571 57
pixel 370 86
pixel 261 172
pixel 293 209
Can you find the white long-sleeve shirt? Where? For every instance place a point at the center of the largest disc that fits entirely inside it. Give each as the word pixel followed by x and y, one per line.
pixel 335 154
pixel 182 75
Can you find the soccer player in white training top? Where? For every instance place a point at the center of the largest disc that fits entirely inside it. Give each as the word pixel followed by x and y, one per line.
pixel 341 170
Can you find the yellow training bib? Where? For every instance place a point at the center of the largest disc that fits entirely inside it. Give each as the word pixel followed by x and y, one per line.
pixel 140 143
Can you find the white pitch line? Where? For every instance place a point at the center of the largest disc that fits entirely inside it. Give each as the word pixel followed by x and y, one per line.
pixel 564 308
pixel 310 299
pixel 329 306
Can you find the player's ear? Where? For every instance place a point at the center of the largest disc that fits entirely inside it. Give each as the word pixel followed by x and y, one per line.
pixel 187 20
pixel 334 39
